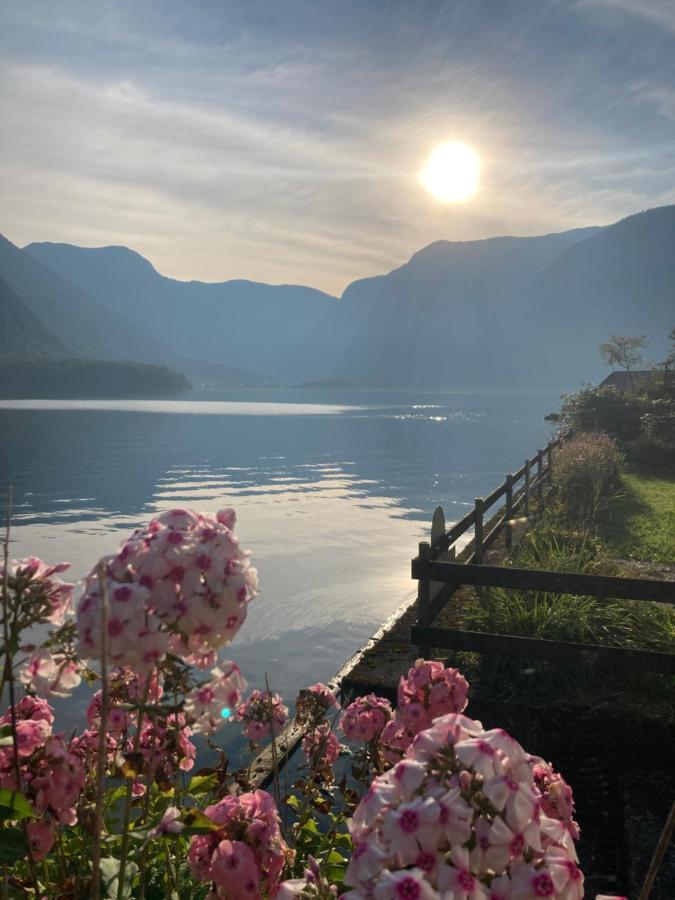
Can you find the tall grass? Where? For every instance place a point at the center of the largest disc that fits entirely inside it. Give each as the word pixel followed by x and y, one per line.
pixel 562 617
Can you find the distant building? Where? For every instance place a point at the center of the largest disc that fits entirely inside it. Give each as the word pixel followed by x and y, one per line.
pixel 624 381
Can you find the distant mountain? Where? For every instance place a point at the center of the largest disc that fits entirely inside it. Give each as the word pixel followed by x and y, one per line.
pixel 21 332
pixel 502 312
pixel 46 310
pixel 449 316
pixel 239 323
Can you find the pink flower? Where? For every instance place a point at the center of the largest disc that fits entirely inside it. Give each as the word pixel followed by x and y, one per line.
pixel 264 714
pixel 430 690
pixel 458 881
pixel 52 675
pixel 248 853
pixel 169 823
pixel 212 704
pixel 40 838
pixel 52 598
pixel 407 885
pixel 321 747
pixel 365 718
pixel 433 805
pixel 181 582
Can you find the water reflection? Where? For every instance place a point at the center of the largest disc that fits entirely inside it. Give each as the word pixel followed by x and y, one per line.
pixel 332 499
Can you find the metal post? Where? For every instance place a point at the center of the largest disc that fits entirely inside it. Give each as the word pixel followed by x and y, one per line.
pixel 478 533
pixel 508 512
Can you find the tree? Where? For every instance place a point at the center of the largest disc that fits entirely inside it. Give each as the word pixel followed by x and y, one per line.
pixel 624 351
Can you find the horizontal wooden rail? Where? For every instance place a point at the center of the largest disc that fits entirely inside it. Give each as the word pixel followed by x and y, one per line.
pixel 541 580
pixel 538 648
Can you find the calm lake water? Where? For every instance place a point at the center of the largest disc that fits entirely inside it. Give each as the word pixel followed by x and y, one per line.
pixel 333 491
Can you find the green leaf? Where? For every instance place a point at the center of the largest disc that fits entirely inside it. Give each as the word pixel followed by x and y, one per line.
pixel 14 805
pixel 335 874
pixel 13 845
pixel 203 784
pixel 310 827
pixel 6 739
pixel 196 822
pixel 293 802
pixel 335 859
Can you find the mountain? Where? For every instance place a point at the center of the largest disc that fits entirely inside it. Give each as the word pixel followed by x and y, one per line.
pixel 21 332
pixel 444 316
pixel 47 309
pixel 240 323
pixel 87 328
pixel 506 311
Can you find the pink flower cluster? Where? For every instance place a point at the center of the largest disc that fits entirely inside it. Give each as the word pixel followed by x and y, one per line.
pixel 321 747
pixel 557 800
pixel 213 703
pixel 51 674
pixel 52 778
pixel 429 690
pixel 365 718
pixel 460 818
pixel 32 578
pixel 263 713
pixel 246 856
pixel 180 583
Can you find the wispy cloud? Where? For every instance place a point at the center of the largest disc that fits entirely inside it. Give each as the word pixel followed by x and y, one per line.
pixel 234 141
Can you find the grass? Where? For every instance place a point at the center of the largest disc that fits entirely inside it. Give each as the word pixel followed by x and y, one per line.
pixel 639 522
pixel 576 619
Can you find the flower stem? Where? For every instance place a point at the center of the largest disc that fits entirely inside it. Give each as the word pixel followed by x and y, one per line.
pixel 124 852
pixel 102 737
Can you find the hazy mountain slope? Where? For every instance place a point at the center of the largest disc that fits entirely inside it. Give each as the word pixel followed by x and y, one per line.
pixel 80 326
pixel 22 334
pixel 621 280
pixel 452 305
pixel 239 323
pixel 501 312
pixel 86 327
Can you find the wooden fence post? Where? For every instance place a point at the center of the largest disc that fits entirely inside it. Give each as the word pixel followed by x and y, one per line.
pixel 478 533
pixel 508 512
pixel 526 504
pixel 423 600
pixel 540 454
pixel 550 464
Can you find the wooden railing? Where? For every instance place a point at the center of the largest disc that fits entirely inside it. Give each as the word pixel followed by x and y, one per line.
pixel 518 490
pixel 440 575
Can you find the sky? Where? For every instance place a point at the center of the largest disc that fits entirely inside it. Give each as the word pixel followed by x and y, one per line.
pixel 282 141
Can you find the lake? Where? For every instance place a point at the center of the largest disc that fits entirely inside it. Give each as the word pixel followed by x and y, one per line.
pixel 333 491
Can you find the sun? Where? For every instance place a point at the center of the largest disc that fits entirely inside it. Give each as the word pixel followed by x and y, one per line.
pixel 451 173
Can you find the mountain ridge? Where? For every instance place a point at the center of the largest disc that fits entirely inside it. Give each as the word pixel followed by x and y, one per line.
pixel 460 313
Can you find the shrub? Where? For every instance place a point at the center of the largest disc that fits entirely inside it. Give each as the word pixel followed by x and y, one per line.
pixel 585 470
pixel 658 423
pixel 603 409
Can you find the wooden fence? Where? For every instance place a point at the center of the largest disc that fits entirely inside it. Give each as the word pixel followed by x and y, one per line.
pixel 439 576
pixel 518 490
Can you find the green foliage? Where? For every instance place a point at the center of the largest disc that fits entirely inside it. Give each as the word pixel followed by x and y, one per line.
pixel 539 614
pixel 624 351
pixel 64 377
pixel 14 806
pixel 13 845
pixel 585 472
pixel 603 409
pixel 658 422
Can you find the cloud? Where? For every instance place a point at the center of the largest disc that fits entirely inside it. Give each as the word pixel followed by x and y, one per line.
pixel 241 142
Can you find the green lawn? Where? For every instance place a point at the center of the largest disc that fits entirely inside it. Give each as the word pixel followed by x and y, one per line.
pixel 640 522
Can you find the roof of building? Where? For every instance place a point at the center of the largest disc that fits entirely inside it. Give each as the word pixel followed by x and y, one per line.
pixel 624 381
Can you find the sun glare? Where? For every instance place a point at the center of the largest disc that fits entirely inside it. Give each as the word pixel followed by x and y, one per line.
pixel 451 172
